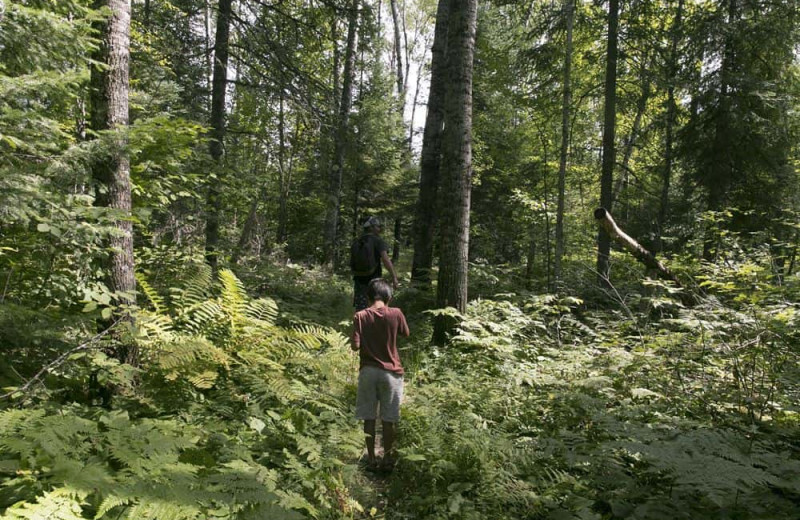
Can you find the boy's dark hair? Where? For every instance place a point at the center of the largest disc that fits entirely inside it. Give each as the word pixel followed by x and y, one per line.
pixel 378 289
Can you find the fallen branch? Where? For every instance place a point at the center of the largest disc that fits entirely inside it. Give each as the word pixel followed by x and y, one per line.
pixel 60 360
pixel 606 221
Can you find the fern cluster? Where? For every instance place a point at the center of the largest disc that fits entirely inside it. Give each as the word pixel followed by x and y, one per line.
pixel 229 415
pixel 537 411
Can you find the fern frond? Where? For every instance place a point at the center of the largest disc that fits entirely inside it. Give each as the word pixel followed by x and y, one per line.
pixel 109 503
pixel 262 310
pixel 59 504
pixel 155 299
pixel 196 288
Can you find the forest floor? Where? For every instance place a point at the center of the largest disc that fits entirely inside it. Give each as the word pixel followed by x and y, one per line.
pixel 541 407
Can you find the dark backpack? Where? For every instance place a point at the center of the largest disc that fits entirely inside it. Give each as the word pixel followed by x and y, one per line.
pixel 363 260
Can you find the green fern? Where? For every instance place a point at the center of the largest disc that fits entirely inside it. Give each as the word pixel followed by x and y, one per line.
pixel 59 504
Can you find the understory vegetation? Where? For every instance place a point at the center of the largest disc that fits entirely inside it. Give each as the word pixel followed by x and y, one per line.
pixel 542 406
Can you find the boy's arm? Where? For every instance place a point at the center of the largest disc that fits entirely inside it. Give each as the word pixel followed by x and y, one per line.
pixel 403 328
pixel 355 342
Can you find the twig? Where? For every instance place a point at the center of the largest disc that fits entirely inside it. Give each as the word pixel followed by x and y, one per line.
pixel 5 288
pixel 59 361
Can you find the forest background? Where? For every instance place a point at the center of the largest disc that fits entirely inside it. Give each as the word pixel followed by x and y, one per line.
pixel 180 182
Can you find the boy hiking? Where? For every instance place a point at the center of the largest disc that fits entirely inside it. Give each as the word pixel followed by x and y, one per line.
pixel 366 255
pixel 380 376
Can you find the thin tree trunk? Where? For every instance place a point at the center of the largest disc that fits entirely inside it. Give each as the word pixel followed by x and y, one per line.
pixel 630 142
pixel 111 173
pixel 407 53
pixel 414 106
pixel 530 264
pixel 609 130
pixel 219 86
pixel 456 164
pixel 671 114
pixel 286 171
pixel 335 172
pixel 562 160
pixel 399 55
pixel 337 96
pixel 249 226
pixel 547 242
pixel 398 226
pixel 209 72
pixel 425 219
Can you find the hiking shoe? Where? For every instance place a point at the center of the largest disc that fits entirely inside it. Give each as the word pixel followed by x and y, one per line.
pixel 388 464
pixel 371 466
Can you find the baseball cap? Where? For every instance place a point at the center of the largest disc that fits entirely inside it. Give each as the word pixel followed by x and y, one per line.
pixel 372 221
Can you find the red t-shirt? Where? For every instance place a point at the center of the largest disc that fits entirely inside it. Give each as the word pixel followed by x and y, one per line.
pixel 375 334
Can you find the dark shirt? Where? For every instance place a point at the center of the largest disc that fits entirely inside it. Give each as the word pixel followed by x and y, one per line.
pixel 375 334
pixel 379 247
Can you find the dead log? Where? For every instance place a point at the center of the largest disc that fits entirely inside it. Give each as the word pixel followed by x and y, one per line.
pixel 606 221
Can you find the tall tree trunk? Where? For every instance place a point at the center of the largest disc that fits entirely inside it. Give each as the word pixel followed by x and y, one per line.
pixel 215 145
pixel 111 173
pixel 456 164
pixel 399 55
pixel 286 171
pixel 335 171
pixel 720 169
pixel 609 130
pixel 425 219
pixel 566 100
pixel 671 114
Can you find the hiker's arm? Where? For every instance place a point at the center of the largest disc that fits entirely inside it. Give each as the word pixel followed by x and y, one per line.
pixel 355 339
pixel 390 267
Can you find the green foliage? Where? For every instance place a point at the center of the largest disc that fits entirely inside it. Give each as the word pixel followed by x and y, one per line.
pixel 251 424
pixel 541 409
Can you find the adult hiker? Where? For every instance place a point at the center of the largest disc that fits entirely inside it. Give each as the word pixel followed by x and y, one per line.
pixel 366 255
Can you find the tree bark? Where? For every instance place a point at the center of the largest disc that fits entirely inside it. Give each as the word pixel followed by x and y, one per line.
pixel 215 145
pixel 398 226
pixel 398 52
pixel 456 164
pixel 335 171
pixel 111 173
pixel 425 218
pixel 606 221
pixel 671 115
pixel 562 162
pixel 720 169
pixel 609 130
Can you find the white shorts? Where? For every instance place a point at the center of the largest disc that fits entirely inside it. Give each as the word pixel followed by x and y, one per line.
pixel 375 386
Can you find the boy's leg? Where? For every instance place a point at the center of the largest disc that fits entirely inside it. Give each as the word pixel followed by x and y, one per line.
pixel 369 432
pixel 388 440
pixel 367 407
pixel 390 394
